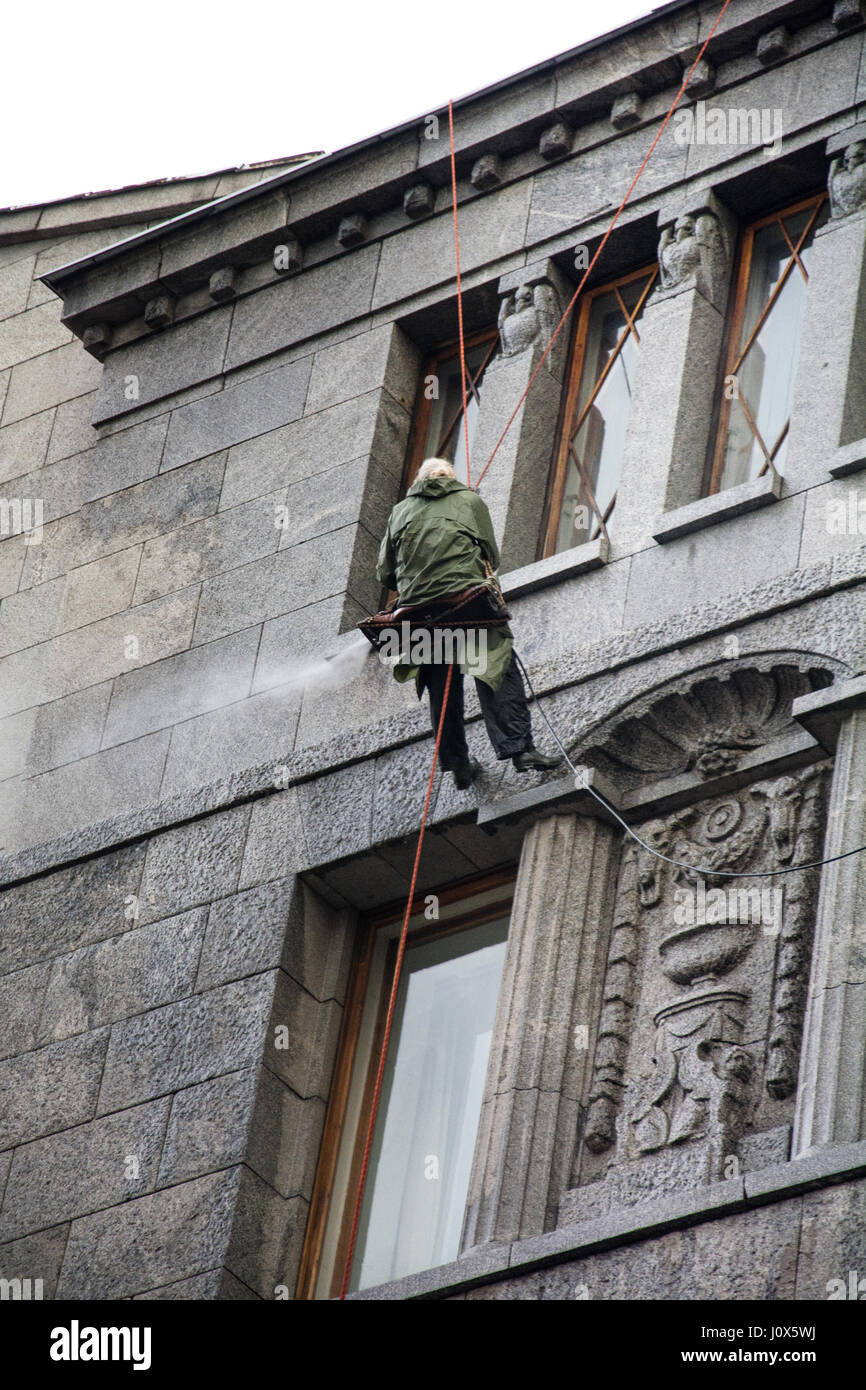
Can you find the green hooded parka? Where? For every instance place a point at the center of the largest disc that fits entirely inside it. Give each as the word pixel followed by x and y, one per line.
pixel 435 544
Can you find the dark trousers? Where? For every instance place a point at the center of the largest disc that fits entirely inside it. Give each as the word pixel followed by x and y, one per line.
pixel 506 714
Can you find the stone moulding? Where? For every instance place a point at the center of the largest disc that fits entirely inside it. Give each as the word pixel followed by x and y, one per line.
pixel 840 1163
pixel 614 1029
pixel 626 650
pixel 388 188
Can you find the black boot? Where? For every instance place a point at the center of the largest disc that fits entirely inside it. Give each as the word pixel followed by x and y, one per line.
pixel 531 760
pixel 465 776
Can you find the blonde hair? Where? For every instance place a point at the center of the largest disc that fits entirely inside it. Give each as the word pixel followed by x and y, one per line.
pixel 434 468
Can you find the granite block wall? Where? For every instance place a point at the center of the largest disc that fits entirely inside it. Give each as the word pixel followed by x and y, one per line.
pixel 204 778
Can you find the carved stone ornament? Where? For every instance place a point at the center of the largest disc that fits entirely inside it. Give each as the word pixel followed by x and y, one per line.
pixel 528 318
pixel 702 79
pixel 555 141
pixel 159 312
pixel 708 725
pixel 96 339
pixel 352 230
pixel 847 183
pixel 707 975
pixel 694 252
pixel 418 201
pixel 698 1044
pixel 847 14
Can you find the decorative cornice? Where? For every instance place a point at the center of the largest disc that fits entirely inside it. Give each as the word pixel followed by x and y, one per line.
pixel 402 176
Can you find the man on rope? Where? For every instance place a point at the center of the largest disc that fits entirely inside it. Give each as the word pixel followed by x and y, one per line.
pixel 436 544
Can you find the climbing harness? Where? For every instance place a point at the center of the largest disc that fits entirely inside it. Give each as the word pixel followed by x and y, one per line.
pixel 479 605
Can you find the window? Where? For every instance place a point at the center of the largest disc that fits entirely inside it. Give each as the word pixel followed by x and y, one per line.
pixel 589 457
pixel 438 428
pixel 770 295
pixel 427 1120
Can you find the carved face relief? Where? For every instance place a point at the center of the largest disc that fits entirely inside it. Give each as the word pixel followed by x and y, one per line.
pixel 658 836
pixel 528 318
pixel 847 183
pixel 693 250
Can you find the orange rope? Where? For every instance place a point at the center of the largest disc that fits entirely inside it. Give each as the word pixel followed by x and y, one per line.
pixel 459 289
pixel 601 247
pixel 393 1000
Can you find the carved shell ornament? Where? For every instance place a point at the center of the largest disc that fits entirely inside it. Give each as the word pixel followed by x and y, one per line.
pixel 707 727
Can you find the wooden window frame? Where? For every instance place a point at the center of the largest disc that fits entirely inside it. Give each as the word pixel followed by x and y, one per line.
pixel 735 324
pixel 417 451
pixel 356 997
pixel 565 432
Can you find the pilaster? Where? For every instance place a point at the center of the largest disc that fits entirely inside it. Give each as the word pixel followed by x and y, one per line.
pixel 547 1016
pixel 829 404
pixel 533 299
pixel 681 331
pixel 831 1103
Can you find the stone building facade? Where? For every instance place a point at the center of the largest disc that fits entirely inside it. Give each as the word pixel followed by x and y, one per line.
pixel 208 834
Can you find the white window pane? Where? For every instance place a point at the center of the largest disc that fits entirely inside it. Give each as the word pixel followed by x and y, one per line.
pixel 600 440
pixel 431 1101
pixel 766 374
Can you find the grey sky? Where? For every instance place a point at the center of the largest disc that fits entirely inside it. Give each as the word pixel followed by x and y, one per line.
pixel 99 94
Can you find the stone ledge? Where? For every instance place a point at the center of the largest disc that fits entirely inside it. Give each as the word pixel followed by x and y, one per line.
pixel 470 1270
pixel 819 1167
pixel 721 506
pixel 825 1167
pixel 657 1215
pixel 554 568
pixel 850 458
pixel 560 795
pixel 821 711
pixel 775 759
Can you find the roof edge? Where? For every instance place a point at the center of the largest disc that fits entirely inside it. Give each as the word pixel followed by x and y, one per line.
pixel 56 277
pixel 168 182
